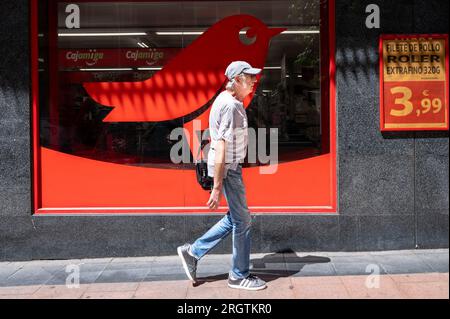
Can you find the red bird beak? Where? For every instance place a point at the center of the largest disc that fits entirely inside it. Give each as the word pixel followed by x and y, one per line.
pixel 274 31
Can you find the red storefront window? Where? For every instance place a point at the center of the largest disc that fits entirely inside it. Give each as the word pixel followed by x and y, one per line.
pixel 112 80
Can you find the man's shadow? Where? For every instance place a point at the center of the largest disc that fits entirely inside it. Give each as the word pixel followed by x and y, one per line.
pixel 283 263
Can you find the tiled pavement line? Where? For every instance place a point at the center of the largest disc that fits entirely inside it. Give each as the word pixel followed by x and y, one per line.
pixel 318 288
pixel 177 273
pixel 422 255
pixel 44 285
pixel 99 274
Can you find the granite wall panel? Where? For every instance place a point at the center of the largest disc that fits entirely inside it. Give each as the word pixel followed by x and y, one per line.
pixel 393 187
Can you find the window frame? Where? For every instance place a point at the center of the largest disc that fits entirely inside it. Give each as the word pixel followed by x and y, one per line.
pixel 328 118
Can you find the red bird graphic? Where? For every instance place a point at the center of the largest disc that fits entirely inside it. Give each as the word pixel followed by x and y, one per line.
pixel 188 83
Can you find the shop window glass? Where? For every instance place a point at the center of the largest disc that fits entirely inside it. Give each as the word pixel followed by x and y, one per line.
pixel 124 44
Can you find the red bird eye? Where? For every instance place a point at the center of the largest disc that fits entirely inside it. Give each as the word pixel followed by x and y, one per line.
pixel 247 35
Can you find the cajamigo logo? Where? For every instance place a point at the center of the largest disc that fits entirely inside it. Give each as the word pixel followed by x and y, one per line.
pixel 90 57
pixel 150 56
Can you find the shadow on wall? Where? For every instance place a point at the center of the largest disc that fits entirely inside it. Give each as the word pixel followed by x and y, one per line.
pixel 284 263
pixel 362 64
pixel 357 62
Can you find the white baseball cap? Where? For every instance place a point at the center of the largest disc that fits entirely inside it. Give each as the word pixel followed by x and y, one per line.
pixel 238 67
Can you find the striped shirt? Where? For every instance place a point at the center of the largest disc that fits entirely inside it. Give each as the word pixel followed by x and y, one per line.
pixel 228 122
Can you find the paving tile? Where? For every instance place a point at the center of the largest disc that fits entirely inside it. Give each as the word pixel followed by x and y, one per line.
pixel 92 267
pixel 437 261
pixel 358 289
pixel 112 287
pixel 54 269
pixel 365 258
pixel 271 275
pixel 321 291
pixel 133 259
pixel 164 260
pixel 124 275
pixel 54 263
pixel 164 277
pixel 281 288
pixel 391 252
pixel 357 268
pixel 321 269
pixel 6 271
pixel 128 265
pixel 106 260
pixel 213 269
pixel 222 264
pixel 211 282
pixel 268 266
pixel 212 293
pixel 162 290
pixel 59 292
pixel 28 296
pixel 411 278
pixel 431 251
pixel 313 281
pixel 424 290
pixel 88 274
pixel 161 270
pixel 14 264
pixel 344 253
pixel 401 264
pixel 29 276
pixel 85 278
pixel 226 257
pixel 444 276
pixel 18 290
pixel 108 295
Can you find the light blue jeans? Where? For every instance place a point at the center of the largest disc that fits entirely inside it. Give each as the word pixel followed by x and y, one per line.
pixel 236 221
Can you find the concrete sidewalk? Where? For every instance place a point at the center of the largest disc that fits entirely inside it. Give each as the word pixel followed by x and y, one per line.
pixel 402 274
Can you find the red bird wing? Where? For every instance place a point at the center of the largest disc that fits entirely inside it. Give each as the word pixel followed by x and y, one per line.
pixel 168 95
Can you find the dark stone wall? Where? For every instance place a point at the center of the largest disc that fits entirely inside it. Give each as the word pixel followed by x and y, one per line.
pixel 392 188
pixel 15 148
pixel 395 184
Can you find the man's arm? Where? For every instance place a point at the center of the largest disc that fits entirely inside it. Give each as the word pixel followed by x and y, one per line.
pixel 219 164
pixel 219 169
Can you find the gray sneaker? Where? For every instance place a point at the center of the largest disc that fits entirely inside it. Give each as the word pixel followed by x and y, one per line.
pixel 189 262
pixel 250 283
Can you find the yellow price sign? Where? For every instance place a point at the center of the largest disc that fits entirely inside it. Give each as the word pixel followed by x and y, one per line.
pixel 414 82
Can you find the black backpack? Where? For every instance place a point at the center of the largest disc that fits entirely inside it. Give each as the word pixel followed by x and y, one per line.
pixel 201 170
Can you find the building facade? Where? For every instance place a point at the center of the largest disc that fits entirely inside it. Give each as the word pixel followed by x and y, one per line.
pixel 87 160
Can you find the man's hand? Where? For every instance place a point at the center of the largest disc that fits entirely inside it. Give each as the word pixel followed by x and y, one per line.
pixel 214 199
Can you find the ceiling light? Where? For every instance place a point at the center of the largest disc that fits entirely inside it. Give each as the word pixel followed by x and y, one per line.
pixel 102 34
pixel 179 33
pixel 108 69
pixel 156 68
pixel 240 32
pixel 300 31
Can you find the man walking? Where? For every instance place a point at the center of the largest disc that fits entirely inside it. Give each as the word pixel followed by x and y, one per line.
pixel 229 138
